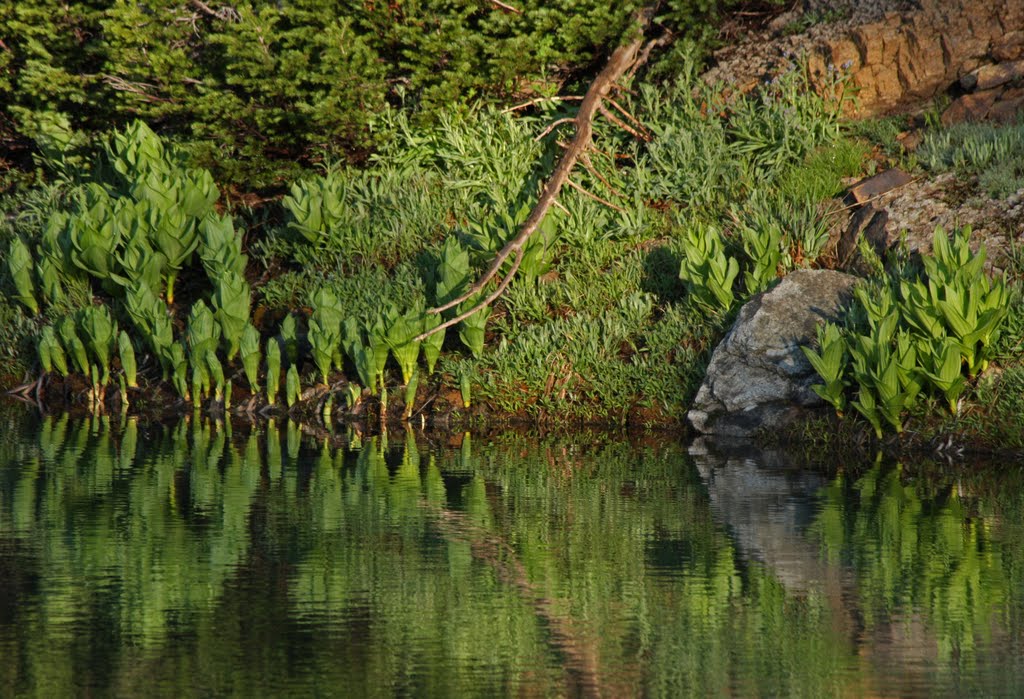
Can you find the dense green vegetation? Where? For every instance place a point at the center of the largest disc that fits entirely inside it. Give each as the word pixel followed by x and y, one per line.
pixel 923 330
pixel 914 330
pixel 596 322
pixel 140 256
pixel 259 91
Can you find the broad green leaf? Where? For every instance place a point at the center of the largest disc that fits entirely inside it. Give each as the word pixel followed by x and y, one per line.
pixel 19 265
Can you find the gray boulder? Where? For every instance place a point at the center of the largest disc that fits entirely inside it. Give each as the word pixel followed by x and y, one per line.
pixel 758 378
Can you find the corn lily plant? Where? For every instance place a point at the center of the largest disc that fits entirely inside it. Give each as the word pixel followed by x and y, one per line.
pixel 216 372
pixel 273 369
pixel 51 280
pixel 830 364
pixel 151 318
pixel 433 344
pixel 100 331
pixel 175 235
pixel 19 265
pixel 56 248
pixel 220 247
pixel 202 335
pixel 358 349
pixel 290 338
pixel 73 344
pixel 316 206
pixel 939 325
pixel 138 261
pixel 401 334
pixel 472 329
pixel 126 352
pixel 453 273
pixel 51 353
pixel 411 387
pixel 94 232
pixel 708 272
pixel 973 317
pixel 249 350
pixel 324 339
pixel 465 388
pixel 292 387
pixel 943 367
pixel 178 362
pixel 232 299
pixel 538 251
pixel 377 344
pixel 137 150
pixel 764 247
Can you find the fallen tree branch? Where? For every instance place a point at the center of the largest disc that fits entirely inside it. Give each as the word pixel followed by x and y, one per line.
pixel 225 14
pixel 620 61
pixel 636 122
pixel 621 124
pixel 507 8
pixel 119 84
pixel 552 126
pixel 588 193
pixel 541 100
pixel 587 163
pixel 663 40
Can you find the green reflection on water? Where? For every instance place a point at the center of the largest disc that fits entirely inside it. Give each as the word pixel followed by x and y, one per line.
pixel 942 561
pixel 193 560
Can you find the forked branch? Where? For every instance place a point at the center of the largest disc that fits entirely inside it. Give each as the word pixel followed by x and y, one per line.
pixel 621 60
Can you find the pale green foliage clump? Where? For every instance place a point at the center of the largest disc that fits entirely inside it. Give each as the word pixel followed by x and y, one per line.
pixel 932 332
pixel 993 153
pixel 128 235
pixel 707 270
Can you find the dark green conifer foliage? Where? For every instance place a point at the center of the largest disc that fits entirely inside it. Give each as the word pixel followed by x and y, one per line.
pixel 260 90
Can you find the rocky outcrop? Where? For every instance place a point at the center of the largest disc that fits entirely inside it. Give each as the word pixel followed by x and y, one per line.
pixel 905 57
pixel 994 91
pixel 758 378
pixel 908 57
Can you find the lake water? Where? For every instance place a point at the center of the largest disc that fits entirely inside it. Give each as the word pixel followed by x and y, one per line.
pixel 195 560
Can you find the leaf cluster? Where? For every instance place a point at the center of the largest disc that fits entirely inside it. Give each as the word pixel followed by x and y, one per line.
pixel 933 331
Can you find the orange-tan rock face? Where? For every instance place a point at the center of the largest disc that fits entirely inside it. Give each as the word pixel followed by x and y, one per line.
pixel 901 59
pixel 908 57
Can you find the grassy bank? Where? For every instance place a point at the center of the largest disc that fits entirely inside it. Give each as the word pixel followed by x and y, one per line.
pixel 132 265
pixel 598 325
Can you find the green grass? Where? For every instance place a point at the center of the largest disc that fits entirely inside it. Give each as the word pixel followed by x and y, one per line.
pixel 992 153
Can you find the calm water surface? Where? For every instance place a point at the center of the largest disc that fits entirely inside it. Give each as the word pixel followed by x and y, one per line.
pixel 193 560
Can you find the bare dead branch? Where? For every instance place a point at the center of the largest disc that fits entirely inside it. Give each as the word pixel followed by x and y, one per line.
pixel 618 63
pixel 508 8
pixel 225 14
pixel 645 54
pixel 621 124
pixel 552 126
pixel 121 85
pixel 487 301
pixel 636 122
pixel 541 100
pixel 593 196
pixel 587 163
